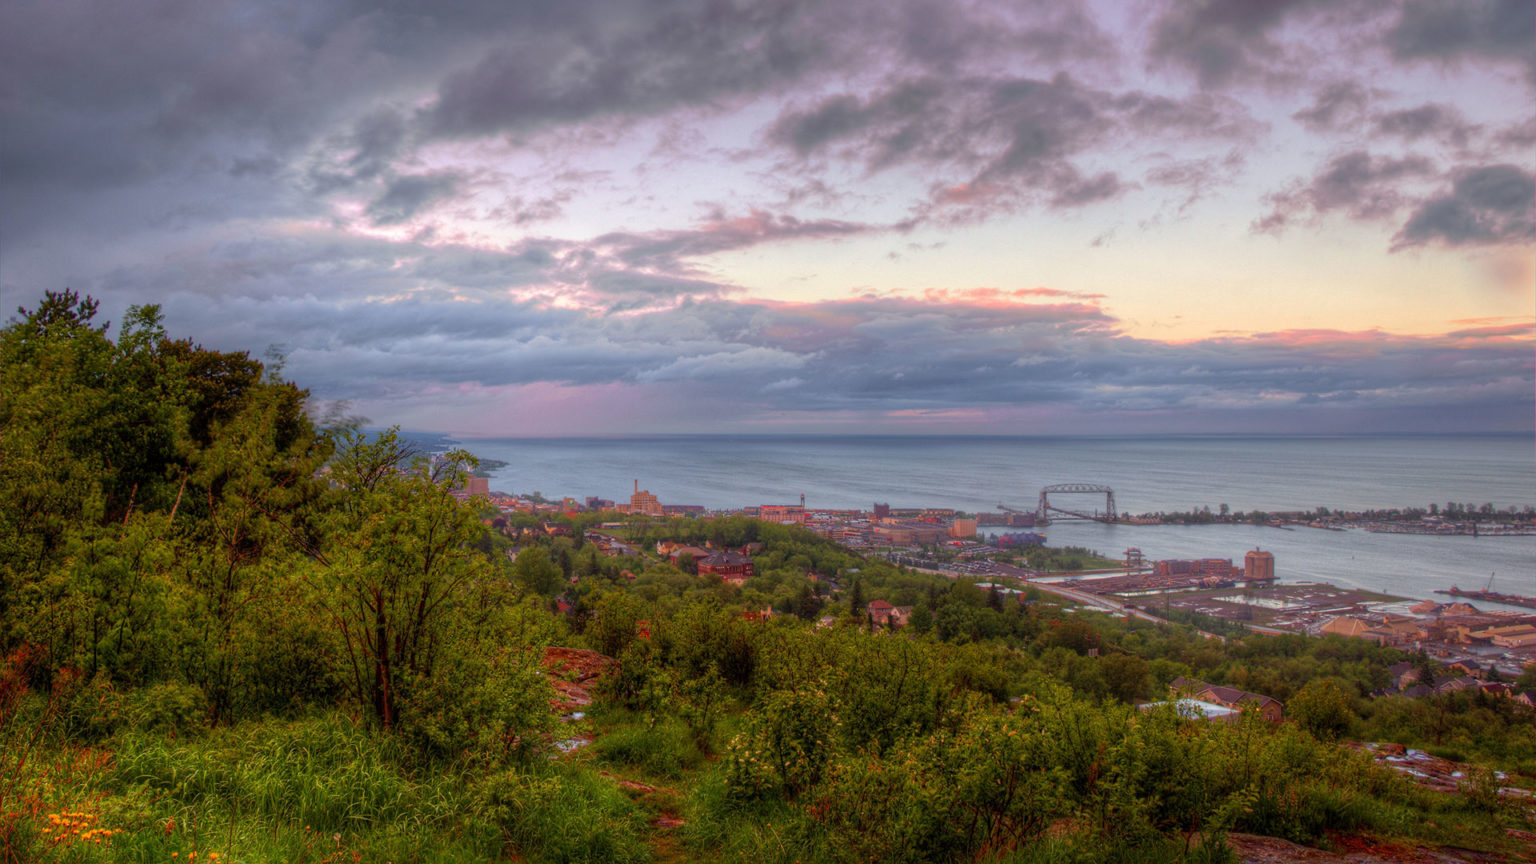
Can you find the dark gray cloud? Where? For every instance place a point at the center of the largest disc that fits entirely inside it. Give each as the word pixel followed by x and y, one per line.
pixel 404 197
pixel 1440 122
pixel 1467 30
pixel 1005 142
pixel 1489 205
pixel 1341 104
pixel 629 60
pixel 1223 41
pixel 1356 184
pixel 655 59
pixel 1483 206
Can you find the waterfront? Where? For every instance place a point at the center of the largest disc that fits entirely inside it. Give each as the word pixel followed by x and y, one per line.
pixel 1147 474
pixel 1403 565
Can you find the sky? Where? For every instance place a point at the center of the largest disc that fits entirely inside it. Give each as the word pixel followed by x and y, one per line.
pixel 553 217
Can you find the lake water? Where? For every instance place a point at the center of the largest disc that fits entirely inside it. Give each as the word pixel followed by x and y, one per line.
pixel 1147 473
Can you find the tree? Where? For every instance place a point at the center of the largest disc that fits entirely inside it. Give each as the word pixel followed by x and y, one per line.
pixel 536 573
pixel 1322 709
pixel 401 555
pixel 922 618
pixel 1125 675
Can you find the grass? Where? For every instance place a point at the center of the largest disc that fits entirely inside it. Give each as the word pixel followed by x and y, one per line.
pixel 316 791
pixel 664 751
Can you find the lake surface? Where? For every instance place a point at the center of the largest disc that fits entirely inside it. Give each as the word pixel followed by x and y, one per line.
pixel 1148 474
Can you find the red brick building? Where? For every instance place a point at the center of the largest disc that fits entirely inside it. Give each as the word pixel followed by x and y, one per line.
pixel 730 566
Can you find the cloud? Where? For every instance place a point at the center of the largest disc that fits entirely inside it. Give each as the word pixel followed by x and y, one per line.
pixel 628 62
pixel 1008 142
pixel 1427 121
pixel 1339 105
pixel 407 196
pixel 394 324
pixel 899 355
pixel 1467 30
pixel 618 61
pixel 1488 205
pixel 667 250
pixel 1356 184
pixel 1223 41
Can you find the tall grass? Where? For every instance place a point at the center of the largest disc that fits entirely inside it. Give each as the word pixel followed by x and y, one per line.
pixel 319 791
pixel 666 750
pixel 565 816
pixel 325 772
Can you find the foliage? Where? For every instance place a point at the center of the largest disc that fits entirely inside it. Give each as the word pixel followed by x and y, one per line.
pixel 1322 709
pixel 224 627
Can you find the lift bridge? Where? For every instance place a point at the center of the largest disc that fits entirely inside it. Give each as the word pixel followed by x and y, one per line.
pixel 1048 511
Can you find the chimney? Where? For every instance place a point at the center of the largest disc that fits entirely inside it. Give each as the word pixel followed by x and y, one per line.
pixel 637 485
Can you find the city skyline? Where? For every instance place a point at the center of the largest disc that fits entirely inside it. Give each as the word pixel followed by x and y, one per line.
pixel 913 217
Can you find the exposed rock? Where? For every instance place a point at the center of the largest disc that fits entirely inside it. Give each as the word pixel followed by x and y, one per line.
pixel 573 672
pixel 1432 772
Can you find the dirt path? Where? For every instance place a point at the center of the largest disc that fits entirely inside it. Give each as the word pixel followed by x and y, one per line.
pixel 575 673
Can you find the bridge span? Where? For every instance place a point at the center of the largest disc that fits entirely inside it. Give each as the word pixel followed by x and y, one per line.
pixel 1046 507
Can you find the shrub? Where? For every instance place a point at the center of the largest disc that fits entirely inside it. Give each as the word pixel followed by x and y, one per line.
pixel 788 741
pixel 494 704
pixel 174 708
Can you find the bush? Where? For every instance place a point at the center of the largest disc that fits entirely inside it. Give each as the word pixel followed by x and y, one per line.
pixel 176 709
pixel 88 710
pixel 494 704
pixel 788 741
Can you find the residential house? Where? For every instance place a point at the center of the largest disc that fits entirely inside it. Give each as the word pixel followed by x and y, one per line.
pixel 733 567
pixel 1229 697
pixel 1470 668
pixel 1403 674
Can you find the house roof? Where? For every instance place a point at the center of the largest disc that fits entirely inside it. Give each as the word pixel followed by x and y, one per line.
pixel 725 559
pixel 1234 696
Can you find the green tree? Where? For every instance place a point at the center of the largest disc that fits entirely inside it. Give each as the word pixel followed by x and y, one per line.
pixel 395 575
pixel 1126 675
pixel 1322 709
pixel 536 573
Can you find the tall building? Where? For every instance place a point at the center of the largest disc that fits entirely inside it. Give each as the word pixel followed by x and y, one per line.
pixel 1259 565
pixel 644 502
pixel 476 485
pixel 962 528
pixel 784 514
